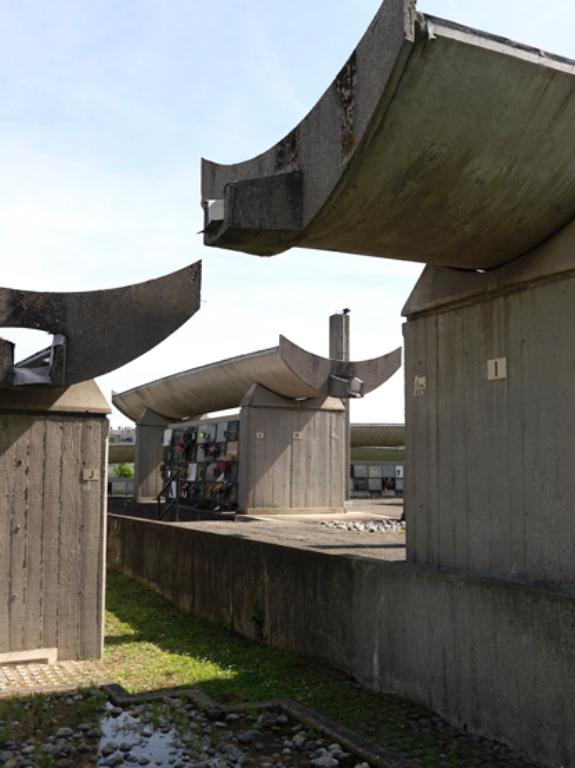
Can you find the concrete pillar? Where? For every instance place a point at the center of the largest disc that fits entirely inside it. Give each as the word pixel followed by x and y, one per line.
pixel 339 349
pixel 489 418
pixel 52 522
pixel 149 455
pixel 6 360
pixel 291 453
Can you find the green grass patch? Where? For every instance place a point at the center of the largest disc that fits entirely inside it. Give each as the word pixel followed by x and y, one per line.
pixel 35 716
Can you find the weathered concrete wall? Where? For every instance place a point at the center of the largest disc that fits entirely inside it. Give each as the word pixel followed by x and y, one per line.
pixel 495 657
pixel 292 454
pixel 52 531
pixel 118 505
pixel 490 480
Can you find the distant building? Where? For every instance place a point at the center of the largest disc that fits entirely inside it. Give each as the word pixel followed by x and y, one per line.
pixel 122 435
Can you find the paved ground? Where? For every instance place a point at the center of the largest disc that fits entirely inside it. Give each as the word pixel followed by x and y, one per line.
pixel 356 509
pixel 63 676
pixel 307 531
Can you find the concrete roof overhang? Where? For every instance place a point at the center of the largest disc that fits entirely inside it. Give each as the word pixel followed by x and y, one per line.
pixel 435 143
pixel 287 370
pixel 94 331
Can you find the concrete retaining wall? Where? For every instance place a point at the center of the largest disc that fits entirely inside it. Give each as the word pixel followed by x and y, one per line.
pixel 182 513
pixel 495 657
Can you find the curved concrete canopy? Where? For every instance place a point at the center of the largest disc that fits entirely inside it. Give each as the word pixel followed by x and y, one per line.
pixel 377 435
pixel 287 370
pixel 435 143
pixel 98 331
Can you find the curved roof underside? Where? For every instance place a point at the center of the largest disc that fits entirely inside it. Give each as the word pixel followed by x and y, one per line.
pixel 102 330
pixel 435 143
pixel 287 370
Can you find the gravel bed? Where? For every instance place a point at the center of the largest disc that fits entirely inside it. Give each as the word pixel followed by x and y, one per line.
pixel 169 732
pixel 367 526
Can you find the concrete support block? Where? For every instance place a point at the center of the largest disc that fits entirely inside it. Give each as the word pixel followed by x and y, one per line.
pixel 490 366
pixel 52 521
pixel 291 453
pixel 37 656
pixel 149 455
pixel 6 361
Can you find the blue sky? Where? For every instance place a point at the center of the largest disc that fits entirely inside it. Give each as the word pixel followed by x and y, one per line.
pixel 108 106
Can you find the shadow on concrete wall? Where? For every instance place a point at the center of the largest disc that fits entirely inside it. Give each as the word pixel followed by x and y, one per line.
pixel 12 429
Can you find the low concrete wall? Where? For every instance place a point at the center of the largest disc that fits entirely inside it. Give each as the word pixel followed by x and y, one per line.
pixel 128 507
pixel 118 505
pixel 496 658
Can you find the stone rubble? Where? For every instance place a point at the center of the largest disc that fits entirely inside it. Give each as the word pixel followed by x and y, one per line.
pixel 387 525
pixel 172 733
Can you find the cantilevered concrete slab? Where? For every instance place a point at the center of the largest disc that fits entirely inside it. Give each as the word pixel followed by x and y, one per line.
pixel 287 370
pixel 435 143
pixel 94 331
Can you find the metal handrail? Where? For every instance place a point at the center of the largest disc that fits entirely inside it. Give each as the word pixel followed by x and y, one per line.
pixel 172 502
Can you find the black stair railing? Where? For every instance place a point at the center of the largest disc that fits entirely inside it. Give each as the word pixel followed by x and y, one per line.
pixel 166 505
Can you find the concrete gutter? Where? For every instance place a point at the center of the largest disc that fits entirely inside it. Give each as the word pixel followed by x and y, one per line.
pixel 286 370
pixel 435 143
pixel 336 732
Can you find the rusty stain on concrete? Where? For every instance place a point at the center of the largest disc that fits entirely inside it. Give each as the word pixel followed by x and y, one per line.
pixel 345 84
pixel 287 151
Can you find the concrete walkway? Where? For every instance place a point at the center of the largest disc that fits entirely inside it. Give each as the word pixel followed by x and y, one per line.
pixel 25 679
pixel 356 509
pixel 308 531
